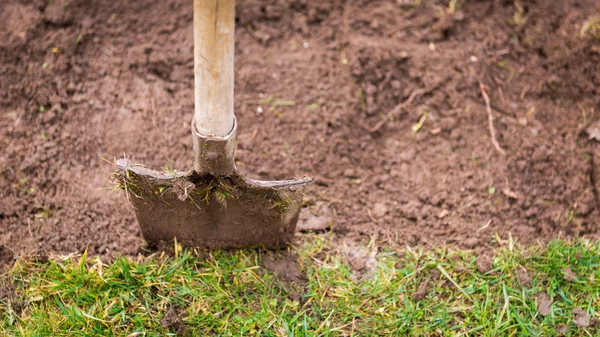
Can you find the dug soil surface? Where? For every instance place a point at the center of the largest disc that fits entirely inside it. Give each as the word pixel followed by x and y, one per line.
pixel 379 101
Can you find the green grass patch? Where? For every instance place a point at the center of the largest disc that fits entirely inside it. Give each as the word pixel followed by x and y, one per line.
pixel 407 293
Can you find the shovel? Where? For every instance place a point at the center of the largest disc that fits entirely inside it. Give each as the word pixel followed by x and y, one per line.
pixel 213 205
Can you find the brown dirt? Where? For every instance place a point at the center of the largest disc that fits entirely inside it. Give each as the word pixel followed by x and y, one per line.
pixel 285 267
pixel 421 290
pixel 524 277
pixel 582 318
pixel 484 263
pixel 173 321
pixel 6 256
pixel 544 303
pixel 86 80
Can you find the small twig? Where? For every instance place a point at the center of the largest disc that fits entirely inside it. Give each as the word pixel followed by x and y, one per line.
pixel 490 119
pixel 502 97
pixel 104 49
pixel 487 224
pixel 254 134
pixel 524 91
pixel 398 108
pixel 153 109
pixel 29 227
pixel 371 216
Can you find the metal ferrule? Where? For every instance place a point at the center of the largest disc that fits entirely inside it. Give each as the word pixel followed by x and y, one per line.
pixel 214 154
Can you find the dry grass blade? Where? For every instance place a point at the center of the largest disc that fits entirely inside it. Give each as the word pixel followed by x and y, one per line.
pixel 397 109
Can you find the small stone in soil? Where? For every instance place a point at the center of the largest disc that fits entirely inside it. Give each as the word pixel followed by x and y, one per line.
pixel 443 213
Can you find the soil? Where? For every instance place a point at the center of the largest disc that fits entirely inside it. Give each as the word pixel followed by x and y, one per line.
pixel 284 267
pixel 484 263
pixel 421 291
pixel 582 318
pixel 524 277
pixel 379 101
pixel 6 256
pixel 173 321
pixel 544 304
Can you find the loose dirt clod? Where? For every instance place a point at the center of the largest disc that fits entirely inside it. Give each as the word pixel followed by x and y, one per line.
pixel 569 275
pixel 6 256
pixel 524 277
pixel 582 318
pixel 562 329
pixel 174 322
pixel 544 304
pixel 285 267
pixel 421 291
pixel 484 264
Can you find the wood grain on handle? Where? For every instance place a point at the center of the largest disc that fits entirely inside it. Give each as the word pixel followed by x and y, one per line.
pixel 214 28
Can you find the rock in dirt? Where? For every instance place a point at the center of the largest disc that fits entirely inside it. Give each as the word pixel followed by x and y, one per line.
pixel 285 267
pixel 443 213
pixel 569 275
pixel 582 318
pixel 174 322
pixel 484 264
pixel 543 304
pixel 524 277
pixel 309 222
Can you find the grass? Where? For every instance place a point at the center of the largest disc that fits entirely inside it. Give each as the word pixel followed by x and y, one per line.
pixel 230 294
pixel 591 27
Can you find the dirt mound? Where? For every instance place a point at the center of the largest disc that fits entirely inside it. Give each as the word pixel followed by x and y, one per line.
pixel 6 256
pixel 378 100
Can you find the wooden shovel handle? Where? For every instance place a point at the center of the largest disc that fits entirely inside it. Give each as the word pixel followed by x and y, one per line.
pixel 214 28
